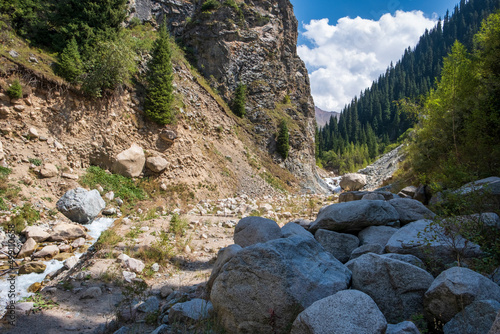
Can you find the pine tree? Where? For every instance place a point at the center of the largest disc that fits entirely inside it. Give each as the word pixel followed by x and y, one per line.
pixel 283 141
pixel 240 96
pixel 15 90
pixel 159 95
pixel 70 65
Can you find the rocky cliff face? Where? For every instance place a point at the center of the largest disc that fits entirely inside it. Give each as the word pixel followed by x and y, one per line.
pixel 252 42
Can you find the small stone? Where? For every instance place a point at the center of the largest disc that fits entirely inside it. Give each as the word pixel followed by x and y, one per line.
pixel 48 251
pixel 32 267
pixel 128 276
pixel 187 249
pixel 78 243
pixel 109 211
pixel 109 196
pixel 33 132
pixel 71 262
pixel 48 170
pixel 91 293
pixel 14 53
pixel 165 291
pixel 155 267
pixel 69 176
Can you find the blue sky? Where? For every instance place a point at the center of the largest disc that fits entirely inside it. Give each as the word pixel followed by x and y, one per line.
pixel 348 44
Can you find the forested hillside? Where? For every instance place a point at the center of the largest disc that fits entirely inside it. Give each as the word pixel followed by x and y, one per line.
pixel 377 117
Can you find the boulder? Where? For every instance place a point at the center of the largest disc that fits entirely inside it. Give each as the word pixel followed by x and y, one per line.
pixel 411 210
pixel 156 164
pixel 225 254
pixel 334 314
pixel 373 196
pixel 36 233
pixel 354 216
pixel 70 262
pixel 351 196
pixel 63 232
pixel 284 276
pixel 130 162
pixel 353 182
pixel 365 249
pixel 495 328
pixel 406 258
pixel 376 235
pixel 293 229
pixel 134 265
pixel 48 170
pixel 191 311
pixel 397 287
pixel 28 248
pixel 453 290
pixel 150 305
pixel 477 318
pixel 253 230
pixel 405 327
pixel 80 205
pixel 339 244
pixel 409 191
pixel 78 243
pixel 91 293
pixel 32 267
pixel 429 242
pixel 47 252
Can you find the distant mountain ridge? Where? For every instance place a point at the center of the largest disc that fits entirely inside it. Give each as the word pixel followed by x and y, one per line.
pixel 323 117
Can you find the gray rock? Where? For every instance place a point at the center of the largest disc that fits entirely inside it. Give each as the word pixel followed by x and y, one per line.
pixel 411 210
pixel 284 275
pixel 14 53
pixel 47 252
pixel 409 191
pixel 71 262
pixel 353 181
pixel 91 293
pixel 350 196
pixel 373 196
pixel 162 329
pixel 340 245
pixel 165 291
pixel 292 229
pixel 477 318
pixel 334 314
pixel 376 235
pixel 495 328
pixel 225 254
pixel 354 216
pixel 453 290
pixel 24 307
pixel 36 233
pixel 191 311
pixel 109 211
pixel 63 232
pixel 81 205
pixel 427 241
pixel 398 289
pixel 156 164
pixel 122 330
pixel 405 327
pixel 130 162
pixel 28 248
pixel 134 265
pixel 79 242
pixel 253 230
pixel 365 249
pixel 150 305
pixel 411 259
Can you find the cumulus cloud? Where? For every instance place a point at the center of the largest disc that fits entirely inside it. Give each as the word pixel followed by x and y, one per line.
pixel 347 57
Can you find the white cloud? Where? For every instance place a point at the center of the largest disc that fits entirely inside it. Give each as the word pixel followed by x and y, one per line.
pixel 348 57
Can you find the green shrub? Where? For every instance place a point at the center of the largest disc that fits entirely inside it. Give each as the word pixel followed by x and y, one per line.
pixel 178 225
pixel 240 100
pixel 210 5
pixel 15 90
pixel 159 95
pixel 283 141
pixel 23 215
pixel 70 65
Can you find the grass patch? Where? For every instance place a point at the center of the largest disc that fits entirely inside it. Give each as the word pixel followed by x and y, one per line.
pixel 272 181
pixel 24 215
pixel 108 239
pixel 123 187
pixel 36 162
pixel 40 302
pixel 178 226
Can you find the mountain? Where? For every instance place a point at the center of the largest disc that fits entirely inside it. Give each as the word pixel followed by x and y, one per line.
pixel 323 117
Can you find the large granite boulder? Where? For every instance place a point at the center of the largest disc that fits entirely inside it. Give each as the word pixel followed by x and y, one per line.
pixel 80 205
pixel 191 311
pixel 225 254
pixel 130 162
pixel 411 210
pixel 350 196
pixel 293 229
pixel 340 245
pixel 253 230
pixel 376 235
pixel 346 312
pixel 280 277
pixel 426 240
pixel 397 287
pixel 453 290
pixel 405 327
pixel 36 233
pixel 354 216
pixel 477 318
pixel 353 182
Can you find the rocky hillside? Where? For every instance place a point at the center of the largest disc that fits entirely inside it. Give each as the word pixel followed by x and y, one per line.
pixel 251 43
